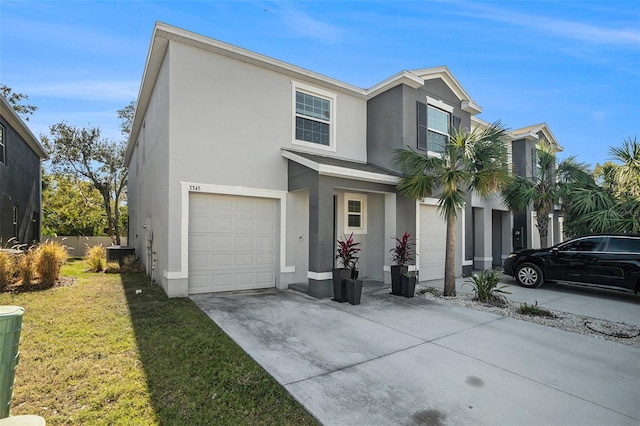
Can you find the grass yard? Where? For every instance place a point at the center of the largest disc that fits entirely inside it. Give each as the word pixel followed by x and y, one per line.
pixel 95 352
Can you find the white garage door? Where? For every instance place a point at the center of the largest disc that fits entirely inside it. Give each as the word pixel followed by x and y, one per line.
pixel 232 243
pixel 433 236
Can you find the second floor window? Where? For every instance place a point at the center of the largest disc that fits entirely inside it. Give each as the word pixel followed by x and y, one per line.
pixel 313 119
pixel 438 129
pixel 433 128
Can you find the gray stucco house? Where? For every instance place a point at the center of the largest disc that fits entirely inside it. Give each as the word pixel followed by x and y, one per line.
pixel 20 179
pixel 244 170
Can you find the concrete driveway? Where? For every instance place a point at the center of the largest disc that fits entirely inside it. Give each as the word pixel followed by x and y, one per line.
pixel 402 361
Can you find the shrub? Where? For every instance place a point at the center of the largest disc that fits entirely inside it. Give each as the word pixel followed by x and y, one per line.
pixel 112 268
pixel 7 268
pixel 534 310
pixel 486 289
pixel 130 264
pixel 50 256
pixel 402 252
pixel 96 258
pixel 26 266
pixel 348 252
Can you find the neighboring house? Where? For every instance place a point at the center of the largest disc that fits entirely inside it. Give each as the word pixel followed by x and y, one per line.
pixel 525 145
pixel 20 179
pixel 244 170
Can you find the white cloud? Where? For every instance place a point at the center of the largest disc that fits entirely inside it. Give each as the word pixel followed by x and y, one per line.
pixel 87 90
pixel 627 37
pixel 305 25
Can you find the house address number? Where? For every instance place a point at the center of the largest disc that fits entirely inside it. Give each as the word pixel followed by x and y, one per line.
pixel 194 187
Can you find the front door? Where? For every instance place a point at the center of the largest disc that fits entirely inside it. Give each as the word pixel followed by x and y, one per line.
pixel 577 260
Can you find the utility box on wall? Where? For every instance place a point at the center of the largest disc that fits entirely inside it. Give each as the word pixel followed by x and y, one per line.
pixel 518 238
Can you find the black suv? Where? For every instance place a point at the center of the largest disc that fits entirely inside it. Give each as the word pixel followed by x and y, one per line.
pixel 611 260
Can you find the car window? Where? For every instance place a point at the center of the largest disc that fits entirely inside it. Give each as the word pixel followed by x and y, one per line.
pixel 583 244
pixel 624 245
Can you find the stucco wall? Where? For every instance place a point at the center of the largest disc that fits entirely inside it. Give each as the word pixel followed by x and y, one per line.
pixel 148 183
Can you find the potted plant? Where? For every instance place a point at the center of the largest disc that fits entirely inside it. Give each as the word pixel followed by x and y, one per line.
pixel 354 286
pixel 409 284
pixel 400 255
pixel 347 256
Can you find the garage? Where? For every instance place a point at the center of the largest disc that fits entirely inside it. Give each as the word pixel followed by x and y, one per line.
pixel 232 242
pixel 432 244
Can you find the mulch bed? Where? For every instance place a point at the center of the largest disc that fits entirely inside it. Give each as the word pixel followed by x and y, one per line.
pixel 18 287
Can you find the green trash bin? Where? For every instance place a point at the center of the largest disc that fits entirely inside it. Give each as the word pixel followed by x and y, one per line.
pixel 10 326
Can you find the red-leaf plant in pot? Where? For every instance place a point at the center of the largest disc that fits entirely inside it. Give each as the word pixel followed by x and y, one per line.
pixel 401 254
pixel 347 256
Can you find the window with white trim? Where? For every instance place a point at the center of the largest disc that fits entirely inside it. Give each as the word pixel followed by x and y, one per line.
pixel 355 213
pixel 434 125
pixel 314 119
pixel 437 129
pixel 2 145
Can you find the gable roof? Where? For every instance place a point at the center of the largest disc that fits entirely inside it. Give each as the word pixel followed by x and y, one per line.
pixel 443 73
pixel 21 128
pixel 532 133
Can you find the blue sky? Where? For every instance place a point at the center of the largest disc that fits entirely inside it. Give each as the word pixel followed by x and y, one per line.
pixel 574 65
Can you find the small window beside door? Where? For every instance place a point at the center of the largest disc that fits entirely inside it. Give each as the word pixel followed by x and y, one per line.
pixel 355 213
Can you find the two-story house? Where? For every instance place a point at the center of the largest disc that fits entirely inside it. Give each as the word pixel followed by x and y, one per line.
pixel 244 170
pixel 20 179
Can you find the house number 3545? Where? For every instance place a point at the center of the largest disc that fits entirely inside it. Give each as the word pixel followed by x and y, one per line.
pixel 194 187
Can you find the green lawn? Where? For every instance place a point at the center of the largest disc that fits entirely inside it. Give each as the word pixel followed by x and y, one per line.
pixel 95 352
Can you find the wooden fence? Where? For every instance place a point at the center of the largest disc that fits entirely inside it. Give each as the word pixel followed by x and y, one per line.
pixel 77 245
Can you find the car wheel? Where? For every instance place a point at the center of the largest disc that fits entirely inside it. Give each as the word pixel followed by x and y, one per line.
pixel 529 275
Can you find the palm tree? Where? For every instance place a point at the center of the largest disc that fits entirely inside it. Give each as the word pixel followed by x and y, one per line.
pixel 549 185
pixel 471 161
pixel 612 202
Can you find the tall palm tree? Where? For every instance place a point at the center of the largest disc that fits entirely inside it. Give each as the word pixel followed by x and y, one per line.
pixel 471 161
pixel 548 186
pixel 612 202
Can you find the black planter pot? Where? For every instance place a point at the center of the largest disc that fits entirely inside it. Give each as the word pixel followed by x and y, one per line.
pixel 397 271
pixel 340 277
pixel 354 291
pixel 408 286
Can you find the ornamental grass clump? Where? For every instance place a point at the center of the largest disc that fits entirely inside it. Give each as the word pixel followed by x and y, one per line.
pixel 96 258
pixel 534 310
pixel 7 268
pixel 50 257
pixel 26 266
pixel 486 289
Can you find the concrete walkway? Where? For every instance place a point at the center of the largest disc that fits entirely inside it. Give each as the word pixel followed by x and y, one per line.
pixel 402 361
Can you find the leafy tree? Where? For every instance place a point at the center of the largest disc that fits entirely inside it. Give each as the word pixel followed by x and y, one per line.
pixel 82 153
pixel 550 185
pixel 471 162
pixel 71 207
pixel 15 100
pixel 611 203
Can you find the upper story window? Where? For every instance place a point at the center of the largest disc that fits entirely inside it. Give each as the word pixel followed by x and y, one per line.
pixel 434 125
pixel 2 145
pixel 314 121
pixel 438 129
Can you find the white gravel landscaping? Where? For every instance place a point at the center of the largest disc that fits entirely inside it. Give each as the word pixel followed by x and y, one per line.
pixel 600 329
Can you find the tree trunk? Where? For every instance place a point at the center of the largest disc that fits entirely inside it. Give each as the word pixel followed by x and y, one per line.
pixel 116 221
pixel 450 258
pixel 542 223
